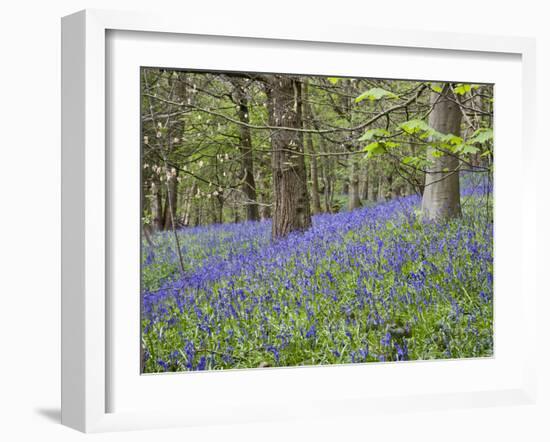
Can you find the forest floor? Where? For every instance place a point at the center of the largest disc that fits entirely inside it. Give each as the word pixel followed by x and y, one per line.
pixel 374 284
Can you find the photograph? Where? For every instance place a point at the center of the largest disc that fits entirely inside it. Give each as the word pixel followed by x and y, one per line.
pixel 292 220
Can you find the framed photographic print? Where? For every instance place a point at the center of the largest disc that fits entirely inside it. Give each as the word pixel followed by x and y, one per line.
pixel 287 223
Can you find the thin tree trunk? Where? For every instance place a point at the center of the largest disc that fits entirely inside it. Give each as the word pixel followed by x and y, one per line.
pixel 373 187
pixel 247 158
pixel 265 208
pixel 190 194
pixel 171 205
pixel 382 188
pixel 220 209
pixel 354 200
pixel 441 199
pixel 291 210
pixel 326 175
pixel 314 179
pixel 171 177
pixel 364 186
pixel 310 149
pixel 156 207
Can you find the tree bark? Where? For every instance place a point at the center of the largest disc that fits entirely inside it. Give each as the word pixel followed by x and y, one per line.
pixel 364 185
pixel 373 189
pixel 291 210
pixel 381 188
pixel 171 205
pixel 308 114
pixel 326 174
pixel 247 158
pixel 189 195
pixel 316 201
pixel 156 207
pixel 263 179
pixel 220 204
pixel 354 200
pixel 441 198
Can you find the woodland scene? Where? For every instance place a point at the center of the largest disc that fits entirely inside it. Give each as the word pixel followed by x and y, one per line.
pixel 292 220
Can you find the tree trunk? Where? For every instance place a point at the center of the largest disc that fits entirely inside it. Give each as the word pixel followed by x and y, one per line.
pixel 327 176
pixel 381 189
pixel 156 207
pixel 441 199
pixel 220 204
pixel 171 206
pixel 315 200
pixel 389 191
pixel 364 186
pixel 354 200
pixel 310 149
pixel 290 196
pixel 373 189
pixel 190 194
pixel 263 179
pixel 247 158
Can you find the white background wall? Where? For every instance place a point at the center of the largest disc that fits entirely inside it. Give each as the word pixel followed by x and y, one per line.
pixel 30 215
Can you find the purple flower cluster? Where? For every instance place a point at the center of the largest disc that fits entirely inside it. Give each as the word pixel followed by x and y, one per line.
pixel 327 295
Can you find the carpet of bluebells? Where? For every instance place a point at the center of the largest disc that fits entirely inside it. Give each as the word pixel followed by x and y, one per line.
pixel 374 284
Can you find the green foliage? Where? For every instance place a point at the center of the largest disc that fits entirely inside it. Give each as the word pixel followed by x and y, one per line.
pixel 374 133
pixel 416 161
pixel 481 135
pixel 379 147
pixel 468 148
pixel 374 94
pixel 201 137
pixel 417 127
pixel 463 88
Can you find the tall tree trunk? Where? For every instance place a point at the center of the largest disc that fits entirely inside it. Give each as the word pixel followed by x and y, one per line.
pixel 291 201
pixel 236 212
pixel 326 174
pixel 310 149
pixel 364 185
pixel 263 179
pixel 354 200
pixel 441 199
pixel 156 206
pixel 247 158
pixel 220 204
pixel 189 195
pixel 381 188
pixel 314 180
pixel 171 205
pixel 373 188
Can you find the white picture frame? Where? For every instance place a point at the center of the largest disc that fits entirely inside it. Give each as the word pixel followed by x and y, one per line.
pixel 87 319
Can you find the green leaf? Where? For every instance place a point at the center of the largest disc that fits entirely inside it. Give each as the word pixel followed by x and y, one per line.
pixel 416 126
pixel 481 135
pixel 376 93
pixel 451 139
pixel 378 147
pixel 468 148
pixel 410 160
pixel 334 80
pixel 372 133
pixel 461 88
pixel 374 148
pixel 436 88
